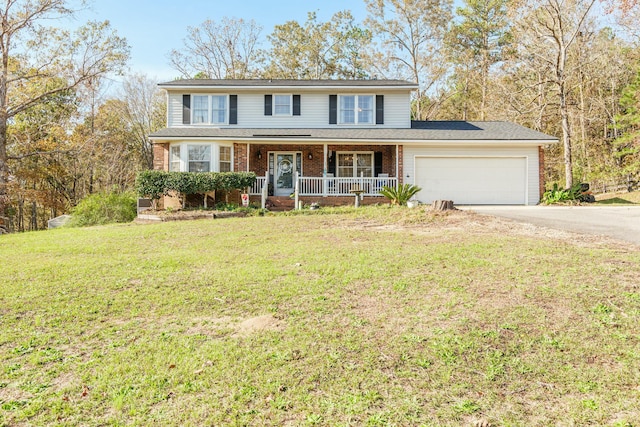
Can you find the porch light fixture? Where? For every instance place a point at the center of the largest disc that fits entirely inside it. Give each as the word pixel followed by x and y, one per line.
pixel 259 154
pixel 310 156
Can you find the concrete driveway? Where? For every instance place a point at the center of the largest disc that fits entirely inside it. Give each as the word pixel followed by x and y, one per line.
pixel 618 222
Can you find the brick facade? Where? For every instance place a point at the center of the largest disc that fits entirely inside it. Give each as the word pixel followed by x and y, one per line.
pixel 161 156
pixel 240 157
pixel 315 165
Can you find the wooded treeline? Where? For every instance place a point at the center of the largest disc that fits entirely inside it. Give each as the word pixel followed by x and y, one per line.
pixel 568 68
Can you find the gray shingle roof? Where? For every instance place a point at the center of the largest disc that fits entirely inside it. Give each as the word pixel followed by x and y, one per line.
pixel 420 131
pixel 284 82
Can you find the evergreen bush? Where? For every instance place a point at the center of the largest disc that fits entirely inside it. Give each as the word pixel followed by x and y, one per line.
pixel 104 208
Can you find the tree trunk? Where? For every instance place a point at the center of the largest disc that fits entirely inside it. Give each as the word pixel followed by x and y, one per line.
pixel 443 205
pixel 566 137
pixel 4 176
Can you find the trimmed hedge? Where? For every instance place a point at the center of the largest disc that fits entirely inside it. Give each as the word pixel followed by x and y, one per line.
pixel 155 184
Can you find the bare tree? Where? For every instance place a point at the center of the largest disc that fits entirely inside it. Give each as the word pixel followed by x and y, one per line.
pixel 224 50
pixel 548 31
pixel 410 34
pixel 144 112
pixel 38 62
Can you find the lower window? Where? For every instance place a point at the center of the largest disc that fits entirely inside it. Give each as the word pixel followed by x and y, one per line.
pixel 355 165
pixel 199 158
pixel 225 159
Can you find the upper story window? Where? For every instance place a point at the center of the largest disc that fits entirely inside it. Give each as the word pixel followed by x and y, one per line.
pixel 282 105
pixel 209 109
pixel 356 109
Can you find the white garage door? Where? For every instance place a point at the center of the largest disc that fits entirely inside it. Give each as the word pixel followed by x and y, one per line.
pixel 472 180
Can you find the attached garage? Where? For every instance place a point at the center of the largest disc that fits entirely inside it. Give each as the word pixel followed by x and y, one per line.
pixel 487 173
pixel 472 180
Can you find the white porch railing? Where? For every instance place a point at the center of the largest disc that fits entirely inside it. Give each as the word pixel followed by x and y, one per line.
pixel 257 187
pixel 330 186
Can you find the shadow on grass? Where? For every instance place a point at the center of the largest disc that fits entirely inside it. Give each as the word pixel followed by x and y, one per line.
pixel 615 201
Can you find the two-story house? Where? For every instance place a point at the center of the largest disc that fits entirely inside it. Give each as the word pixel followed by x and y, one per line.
pixel 323 138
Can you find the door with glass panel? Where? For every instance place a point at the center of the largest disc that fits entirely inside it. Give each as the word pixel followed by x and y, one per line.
pixel 285 168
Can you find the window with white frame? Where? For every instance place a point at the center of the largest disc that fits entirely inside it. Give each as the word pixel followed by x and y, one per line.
pixel 209 109
pixel 282 105
pixel 218 109
pixel 355 165
pixel 174 158
pixel 199 158
pixel 225 159
pixel 356 109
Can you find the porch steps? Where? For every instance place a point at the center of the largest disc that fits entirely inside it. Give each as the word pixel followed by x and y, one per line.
pixel 280 203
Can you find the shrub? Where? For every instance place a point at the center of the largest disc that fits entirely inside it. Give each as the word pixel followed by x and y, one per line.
pixel 401 194
pixel 104 208
pixel 154 184
pixel 578 193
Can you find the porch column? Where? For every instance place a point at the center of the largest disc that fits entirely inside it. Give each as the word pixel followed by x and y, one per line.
pixel 397 166
pixel 325 167
pixel 248 151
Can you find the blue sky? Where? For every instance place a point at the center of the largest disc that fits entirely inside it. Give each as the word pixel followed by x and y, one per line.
pixel 154 27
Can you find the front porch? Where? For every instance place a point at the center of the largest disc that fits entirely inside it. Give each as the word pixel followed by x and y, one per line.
pixel 326 173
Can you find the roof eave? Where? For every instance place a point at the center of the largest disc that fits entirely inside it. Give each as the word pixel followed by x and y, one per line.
pixel 297 139
pixel 169 87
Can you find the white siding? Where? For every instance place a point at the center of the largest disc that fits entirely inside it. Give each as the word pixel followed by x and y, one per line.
pixel 530 153
pixel 314 111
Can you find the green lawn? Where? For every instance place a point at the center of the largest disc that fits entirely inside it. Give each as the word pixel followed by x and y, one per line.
pixel 378 317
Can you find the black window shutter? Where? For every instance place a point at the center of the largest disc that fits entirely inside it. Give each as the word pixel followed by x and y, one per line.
pixel 333 109
pixel 267 105
pixel 379 109
pixel 377 162
pixel 233 109
pixel 331 164
pixel 186 109
pixel 296 105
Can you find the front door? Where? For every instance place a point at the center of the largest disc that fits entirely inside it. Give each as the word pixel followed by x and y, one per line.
pixel 285 169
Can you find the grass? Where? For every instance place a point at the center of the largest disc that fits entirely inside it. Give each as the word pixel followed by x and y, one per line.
pixel 382 316
pixel 632 198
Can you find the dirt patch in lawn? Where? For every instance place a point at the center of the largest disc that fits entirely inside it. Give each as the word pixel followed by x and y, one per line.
pixel 427 221
pixel 258 324
pixel 237 328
